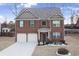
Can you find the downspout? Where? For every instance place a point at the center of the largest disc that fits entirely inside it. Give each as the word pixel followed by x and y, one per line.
pixel 50 28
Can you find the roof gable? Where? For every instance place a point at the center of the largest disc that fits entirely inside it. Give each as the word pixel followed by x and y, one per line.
pixel 25 14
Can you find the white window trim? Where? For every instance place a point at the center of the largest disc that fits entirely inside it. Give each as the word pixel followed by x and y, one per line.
pixel 57 24
pixel 30 23
pixel 56 34
pixel 21 25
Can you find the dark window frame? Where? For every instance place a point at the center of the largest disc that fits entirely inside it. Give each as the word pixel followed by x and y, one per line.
pixel 42 23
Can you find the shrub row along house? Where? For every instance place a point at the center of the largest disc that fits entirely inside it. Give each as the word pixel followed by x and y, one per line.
pixel 40 24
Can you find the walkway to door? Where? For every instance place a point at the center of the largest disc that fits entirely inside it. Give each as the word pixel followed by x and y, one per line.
pixel 19 49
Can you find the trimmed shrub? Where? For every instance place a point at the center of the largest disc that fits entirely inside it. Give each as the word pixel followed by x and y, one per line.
pixel 63 41
pixel 63 51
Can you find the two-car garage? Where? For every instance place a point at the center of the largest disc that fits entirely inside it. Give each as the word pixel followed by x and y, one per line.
pixel 23 37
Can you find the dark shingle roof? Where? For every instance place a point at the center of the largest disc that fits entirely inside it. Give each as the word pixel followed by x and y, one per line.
pixel 43 13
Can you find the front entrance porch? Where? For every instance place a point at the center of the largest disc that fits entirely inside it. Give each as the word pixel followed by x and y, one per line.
pixel 43 35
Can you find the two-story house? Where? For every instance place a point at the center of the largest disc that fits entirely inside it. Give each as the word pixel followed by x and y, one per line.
pixel 40 25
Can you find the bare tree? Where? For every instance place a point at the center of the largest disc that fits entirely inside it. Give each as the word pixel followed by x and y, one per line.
pixel 14 10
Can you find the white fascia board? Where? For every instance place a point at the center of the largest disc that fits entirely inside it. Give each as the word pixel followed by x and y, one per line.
pixel 54 18
pixel 27 19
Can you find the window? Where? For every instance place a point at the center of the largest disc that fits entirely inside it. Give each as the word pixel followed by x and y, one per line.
pixel 44 23
pixel 6 30
pixel 56 35
pixel 2 30
pixel 32 23
pixel 56 23
pixel 21 24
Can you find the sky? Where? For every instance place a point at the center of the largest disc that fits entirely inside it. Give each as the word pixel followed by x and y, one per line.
pixel 7 10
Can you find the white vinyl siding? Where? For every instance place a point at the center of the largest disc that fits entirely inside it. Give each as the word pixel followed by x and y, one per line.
pixel 32 23
pixel 56 35
pixel 56 23
pixel 21 24
pixel 6 29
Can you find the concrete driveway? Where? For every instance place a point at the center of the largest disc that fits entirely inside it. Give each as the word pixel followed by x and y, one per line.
pixel 19 49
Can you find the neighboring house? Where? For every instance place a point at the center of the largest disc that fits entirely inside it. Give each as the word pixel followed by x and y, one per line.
pixel 5 30
pixel 41 24
pixel 71 31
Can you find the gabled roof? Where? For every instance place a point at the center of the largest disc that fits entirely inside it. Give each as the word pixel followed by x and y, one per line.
pixel 42 13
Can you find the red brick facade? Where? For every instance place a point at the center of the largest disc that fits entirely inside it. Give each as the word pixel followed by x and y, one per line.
pixel 28 29
pixel 42 26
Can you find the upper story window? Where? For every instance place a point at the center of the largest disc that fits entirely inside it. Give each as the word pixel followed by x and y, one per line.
pixel 44 23
pixel 56 23
pixel 21 23
pixel 32 23
pixel 56 35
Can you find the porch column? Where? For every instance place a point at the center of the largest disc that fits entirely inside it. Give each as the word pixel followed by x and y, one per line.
pixel 38 38
pixel 48 34
pixel 26 37
pixel 38 35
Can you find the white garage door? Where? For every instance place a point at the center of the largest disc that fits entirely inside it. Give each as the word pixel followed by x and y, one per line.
pixel 21 37
pixel 32 37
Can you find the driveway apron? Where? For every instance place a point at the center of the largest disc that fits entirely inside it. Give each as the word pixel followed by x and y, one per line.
pixel 19 49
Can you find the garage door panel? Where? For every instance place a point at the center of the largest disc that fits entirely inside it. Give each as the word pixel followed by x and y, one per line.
pixel 21 37
pixel 32 37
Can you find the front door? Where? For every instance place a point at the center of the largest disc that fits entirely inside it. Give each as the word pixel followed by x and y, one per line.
pixel 43 37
